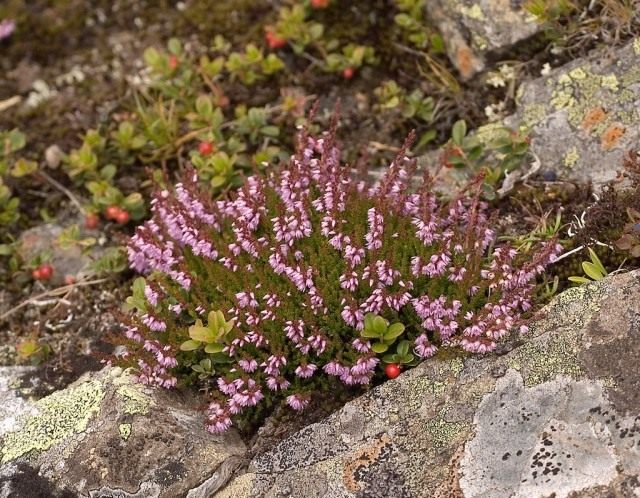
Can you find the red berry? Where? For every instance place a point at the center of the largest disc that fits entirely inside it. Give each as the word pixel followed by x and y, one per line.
pixel 69 279
pixel 36 274
pixel 112 212
pixel 173 62
pixel 392 370
pixel 347 73
pixel 45 272
pixel 91 221
pixel 319 4
pixel 123 217
pixel 274 41
pixel 205 148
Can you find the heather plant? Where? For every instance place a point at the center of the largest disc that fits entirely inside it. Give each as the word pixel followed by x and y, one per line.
pixel 310 274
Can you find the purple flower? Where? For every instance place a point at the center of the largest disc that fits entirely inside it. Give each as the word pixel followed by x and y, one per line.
pixel 306 371
pixel 297 402
pixel 7 26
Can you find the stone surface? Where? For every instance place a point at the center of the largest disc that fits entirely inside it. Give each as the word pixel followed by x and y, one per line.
pixel 66 259
pixel 477 29
pixel 555 414
pixel 583 116
pixel 105 436
pixel 12 400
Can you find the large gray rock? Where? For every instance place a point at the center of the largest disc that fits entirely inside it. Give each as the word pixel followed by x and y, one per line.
pixel 106 436
pixel 583 116
pixel 557 415
pixel 476 29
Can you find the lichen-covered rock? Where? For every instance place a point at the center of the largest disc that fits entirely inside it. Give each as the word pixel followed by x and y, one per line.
pixel 583 116
pixel 106 436
pixel 475 29
pixel 557 413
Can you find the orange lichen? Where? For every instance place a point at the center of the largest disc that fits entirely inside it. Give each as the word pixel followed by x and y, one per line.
pixel 593 117
pixel 611 136
pixel 358 464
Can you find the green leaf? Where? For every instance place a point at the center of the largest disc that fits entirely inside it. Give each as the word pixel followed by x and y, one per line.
pixel 379 325
pixel 189 345
pixel 406 358
pixel 390 358
pixel 379 347
pixel 175 47
pixel 579 280
pixel 370 333
pixel 403 347
pixel 597 263
pixel 200 333
pixel 213 348
pixel 393 331
pixel 459 131
pixel 368 320
pixel 23 167
pixel 592 271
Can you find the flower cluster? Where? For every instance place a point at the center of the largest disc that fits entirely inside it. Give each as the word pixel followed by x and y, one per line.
pixel 296 260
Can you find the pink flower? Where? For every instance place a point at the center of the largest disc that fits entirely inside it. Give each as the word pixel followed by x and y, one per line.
pixel 297 402
pixel 306 371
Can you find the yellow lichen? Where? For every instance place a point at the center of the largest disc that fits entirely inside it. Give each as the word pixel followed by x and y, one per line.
pixel 610 81
pixel 473 12
pixel 60 415
pixel 571 157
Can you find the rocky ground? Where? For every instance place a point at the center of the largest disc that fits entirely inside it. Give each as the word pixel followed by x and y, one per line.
pixel 554 412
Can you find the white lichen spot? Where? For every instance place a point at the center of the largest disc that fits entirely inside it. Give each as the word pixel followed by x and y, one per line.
pixel 125 431
pixel 636 46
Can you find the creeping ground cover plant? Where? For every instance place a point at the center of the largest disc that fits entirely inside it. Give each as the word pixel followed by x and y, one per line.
pixel 311 275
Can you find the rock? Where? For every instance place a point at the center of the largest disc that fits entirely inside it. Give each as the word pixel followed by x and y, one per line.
pixel 106 436
pixel 558 415
pixel 66 259
pixel 12 400
pixel 477 29
pixel 583 116
pixel 53 156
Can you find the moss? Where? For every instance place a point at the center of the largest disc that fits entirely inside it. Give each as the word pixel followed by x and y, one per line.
pixel 125 431
pixel 60 415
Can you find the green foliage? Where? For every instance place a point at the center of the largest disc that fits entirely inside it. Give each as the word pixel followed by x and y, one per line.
pixel 10 143
pixel 402 356
pixel 210 336
pixel 414 28
pixel 503 152
pixel 593 269
pixel 379 329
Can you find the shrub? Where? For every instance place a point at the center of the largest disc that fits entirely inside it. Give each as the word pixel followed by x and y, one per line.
pixel 309 274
